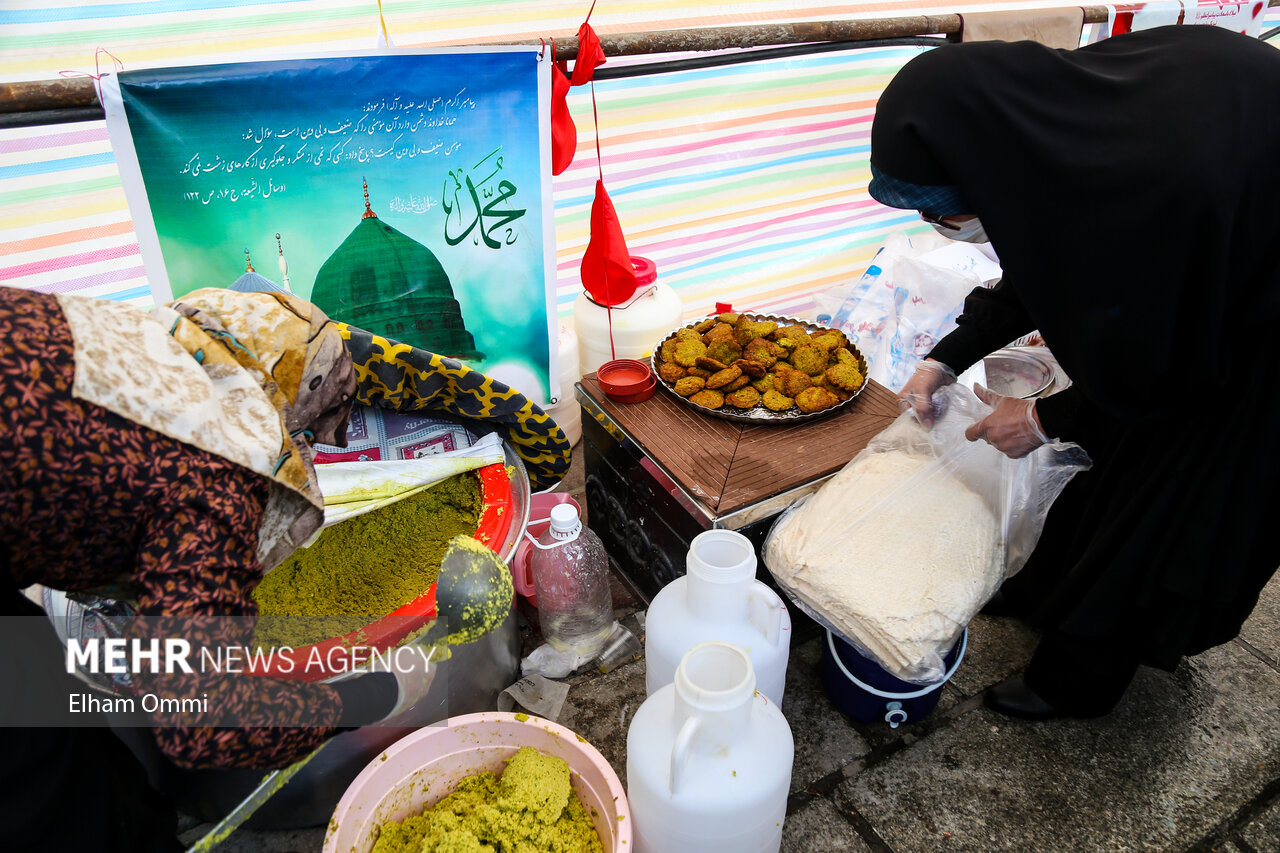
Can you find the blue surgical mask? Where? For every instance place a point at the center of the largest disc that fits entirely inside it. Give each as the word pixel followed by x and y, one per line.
pixel 970 231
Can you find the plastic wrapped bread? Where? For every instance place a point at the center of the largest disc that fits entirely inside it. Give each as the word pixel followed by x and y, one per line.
pixel 895 554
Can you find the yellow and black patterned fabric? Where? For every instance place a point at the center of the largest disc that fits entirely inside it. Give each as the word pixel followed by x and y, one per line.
pixel 392 375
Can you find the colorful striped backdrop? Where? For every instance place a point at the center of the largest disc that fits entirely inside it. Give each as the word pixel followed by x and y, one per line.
pixel 745 184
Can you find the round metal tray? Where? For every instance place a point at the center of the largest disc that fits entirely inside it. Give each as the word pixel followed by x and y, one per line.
pixel 759 415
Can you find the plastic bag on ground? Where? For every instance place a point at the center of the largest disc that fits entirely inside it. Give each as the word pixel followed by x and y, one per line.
pixel 900 549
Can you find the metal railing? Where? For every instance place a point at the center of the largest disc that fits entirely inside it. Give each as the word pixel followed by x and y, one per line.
pixel 67 100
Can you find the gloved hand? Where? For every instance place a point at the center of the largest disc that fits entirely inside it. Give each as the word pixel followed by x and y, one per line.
pixel 917 394
pixel 1013 427
pixel 414 666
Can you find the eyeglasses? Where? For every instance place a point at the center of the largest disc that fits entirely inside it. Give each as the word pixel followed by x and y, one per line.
pixel 937 220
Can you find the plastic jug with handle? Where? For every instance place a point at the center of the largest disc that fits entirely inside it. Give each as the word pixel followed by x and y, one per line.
pixel 628 330
pixel 709 760
pixel 719 598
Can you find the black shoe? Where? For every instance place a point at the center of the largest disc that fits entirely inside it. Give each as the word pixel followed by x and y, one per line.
pixel 1001 604
pixel 1014 698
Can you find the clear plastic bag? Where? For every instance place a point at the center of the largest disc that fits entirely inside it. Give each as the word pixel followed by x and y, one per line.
pixel 906 301
pixel 900 549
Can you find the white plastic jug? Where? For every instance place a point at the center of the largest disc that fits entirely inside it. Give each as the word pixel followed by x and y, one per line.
pixel 718 599
pixel 638 325
pixel 568 412
pixel 709 760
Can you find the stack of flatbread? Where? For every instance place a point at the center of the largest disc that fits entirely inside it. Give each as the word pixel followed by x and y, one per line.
pixel 896 554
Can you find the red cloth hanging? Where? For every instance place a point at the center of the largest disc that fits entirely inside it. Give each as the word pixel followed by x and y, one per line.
pixel 564 133
pixel 590 54
pixel 606 270
pixel 607 273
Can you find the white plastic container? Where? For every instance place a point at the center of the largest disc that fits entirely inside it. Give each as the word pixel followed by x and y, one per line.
pixel 638 325
pixel 718 599
pixel 568 413
pixel 570 570
pixel 709 760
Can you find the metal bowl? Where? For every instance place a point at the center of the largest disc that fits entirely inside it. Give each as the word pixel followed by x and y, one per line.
pixel 469 681
pixel 1018 373
pixel 760 415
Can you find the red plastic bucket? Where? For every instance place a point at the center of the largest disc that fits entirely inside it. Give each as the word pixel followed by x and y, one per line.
pixel 305 663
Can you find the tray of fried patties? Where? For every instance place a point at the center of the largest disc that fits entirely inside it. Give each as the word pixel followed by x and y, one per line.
pixel 760 368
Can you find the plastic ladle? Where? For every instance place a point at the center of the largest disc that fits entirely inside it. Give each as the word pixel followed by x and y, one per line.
pixel 474 593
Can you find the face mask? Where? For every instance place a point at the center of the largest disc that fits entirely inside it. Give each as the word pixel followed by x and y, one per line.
pixel 970 231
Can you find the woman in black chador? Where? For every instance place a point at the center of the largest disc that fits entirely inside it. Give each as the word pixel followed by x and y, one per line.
pixel 1129 188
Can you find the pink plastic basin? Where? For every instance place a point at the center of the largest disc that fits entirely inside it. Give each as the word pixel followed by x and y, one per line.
pixel 422 768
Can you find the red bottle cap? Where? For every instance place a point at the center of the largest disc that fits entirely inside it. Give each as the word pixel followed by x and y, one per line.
pixel 646 270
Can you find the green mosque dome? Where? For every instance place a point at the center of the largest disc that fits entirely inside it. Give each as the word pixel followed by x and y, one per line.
pixel 385 282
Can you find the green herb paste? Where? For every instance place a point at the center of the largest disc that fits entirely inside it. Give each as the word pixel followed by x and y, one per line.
pixel 531 809
pixel 361 569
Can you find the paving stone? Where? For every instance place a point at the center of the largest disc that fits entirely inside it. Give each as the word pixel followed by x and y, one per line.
pixel 1262 629
pixel 825 741
pixel 262 841
pixel 1179 755
pixel 998 648
pixel 1263 832
pixel 820 828
pixel 600 708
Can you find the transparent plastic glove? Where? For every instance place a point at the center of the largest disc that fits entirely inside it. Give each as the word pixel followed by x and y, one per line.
pixel 1013 427
pixel 414 666
pixel 917 394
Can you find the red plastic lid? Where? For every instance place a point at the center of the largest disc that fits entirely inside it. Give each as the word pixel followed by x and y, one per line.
pixel 624 376
pixel 642 393
pixel 646 270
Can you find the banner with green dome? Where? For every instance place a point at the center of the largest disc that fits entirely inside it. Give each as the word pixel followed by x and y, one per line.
pixel 407 193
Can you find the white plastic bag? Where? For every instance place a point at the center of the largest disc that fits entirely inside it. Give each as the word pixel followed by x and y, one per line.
pixel 899 550
pixel 906 301
pixel 354 488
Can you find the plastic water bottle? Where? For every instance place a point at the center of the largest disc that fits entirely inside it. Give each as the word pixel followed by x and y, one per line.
pixel 571 578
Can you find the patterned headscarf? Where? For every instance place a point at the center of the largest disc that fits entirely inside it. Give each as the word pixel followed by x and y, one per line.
pixel 301 364
pixel 291 344
pixel 250 377
pixel 943 200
